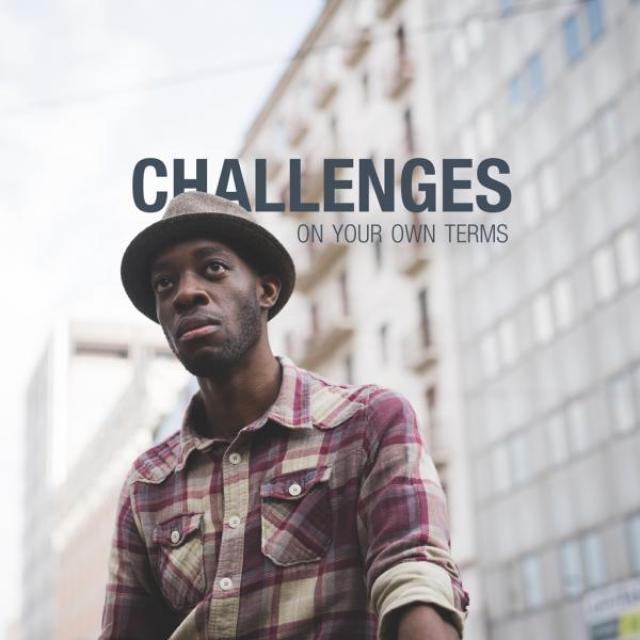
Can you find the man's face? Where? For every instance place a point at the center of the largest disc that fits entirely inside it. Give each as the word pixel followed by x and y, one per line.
pixel 207 302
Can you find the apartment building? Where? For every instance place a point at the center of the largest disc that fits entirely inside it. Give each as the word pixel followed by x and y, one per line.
pixel 96 400
pixel 522 358
pixel 360 87
pixel 546 321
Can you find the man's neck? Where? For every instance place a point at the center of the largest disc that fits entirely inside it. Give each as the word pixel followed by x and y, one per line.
pixel 242 396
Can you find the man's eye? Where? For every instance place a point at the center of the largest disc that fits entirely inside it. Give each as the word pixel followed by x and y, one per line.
pixel 161 284
pixel 215 267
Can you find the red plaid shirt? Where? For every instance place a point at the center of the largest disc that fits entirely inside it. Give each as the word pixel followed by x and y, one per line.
pixel 318 520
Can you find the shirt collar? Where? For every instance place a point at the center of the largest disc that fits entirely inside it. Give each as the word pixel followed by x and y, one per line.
pixel 303 401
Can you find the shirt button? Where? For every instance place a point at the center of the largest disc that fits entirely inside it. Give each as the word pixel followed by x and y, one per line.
pixel 226 584
pixel 234 521
pixel 235 458
pixel 295 489
pixel 175 536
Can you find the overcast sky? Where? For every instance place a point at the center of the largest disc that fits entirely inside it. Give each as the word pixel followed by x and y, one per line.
pixel 87 89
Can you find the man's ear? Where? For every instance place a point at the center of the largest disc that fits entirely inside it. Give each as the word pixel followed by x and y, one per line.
pixel 268 290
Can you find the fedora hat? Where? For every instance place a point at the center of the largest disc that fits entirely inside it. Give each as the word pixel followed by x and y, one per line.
pixel 195 214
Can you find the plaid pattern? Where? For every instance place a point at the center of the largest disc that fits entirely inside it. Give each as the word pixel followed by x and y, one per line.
pixel 317 521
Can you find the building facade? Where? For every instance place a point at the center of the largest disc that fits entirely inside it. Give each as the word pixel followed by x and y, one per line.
pixel 549 348
pixel 360 87
pixel 522 358
pixel 96 400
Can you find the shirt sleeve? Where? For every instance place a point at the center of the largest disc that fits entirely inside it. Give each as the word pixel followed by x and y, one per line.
pixel 402 518
pixel 133 608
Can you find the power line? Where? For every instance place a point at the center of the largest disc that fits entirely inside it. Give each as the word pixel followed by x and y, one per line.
pixel 218 71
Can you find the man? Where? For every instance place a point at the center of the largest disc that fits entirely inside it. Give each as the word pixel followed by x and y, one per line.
pixel 286 506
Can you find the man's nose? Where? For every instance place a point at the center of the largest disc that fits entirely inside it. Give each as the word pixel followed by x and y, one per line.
pixel 189 293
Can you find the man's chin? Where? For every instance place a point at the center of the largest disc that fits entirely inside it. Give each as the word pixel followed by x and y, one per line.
pixel 207 363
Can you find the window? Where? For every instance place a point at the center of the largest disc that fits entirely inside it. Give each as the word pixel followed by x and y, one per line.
pixel 315 321
pixel 595 19
pixel 348 368
pixel 365 87
pixel 578 423
pixel 468 142
pixel 401 43
pixel 515 91
pixel 557 438
pixel 432 399
pixel 485 128
pixel 562 302
pixel 501 470
pixel 377 253
pixel 542 317
pixel 622 404
pixel 633 539
pixel 507 339
pixel 520 458
pixel 383 336
pixel 572 38
pixel 535 75
pixel 589 152
pixel 532 581
pixel 506 7
pixel 425 325
pixel 549 187
pixel 595 563
pixel 604 273
pixel 571 568
pixel 333 126
pixel 459 50
pixel 409 138
pixel 489 351
pixel 530 204
pixel 628 254
pixel 475 33
pixel 344 293
pixel 610 131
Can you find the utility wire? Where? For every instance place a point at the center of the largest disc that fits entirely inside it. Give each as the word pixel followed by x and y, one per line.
pixel 218 71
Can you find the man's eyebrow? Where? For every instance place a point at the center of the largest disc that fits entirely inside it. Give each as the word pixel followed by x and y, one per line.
pixel 204 252
pixel 201 252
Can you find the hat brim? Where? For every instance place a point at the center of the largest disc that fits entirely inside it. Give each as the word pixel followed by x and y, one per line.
pixel 252 242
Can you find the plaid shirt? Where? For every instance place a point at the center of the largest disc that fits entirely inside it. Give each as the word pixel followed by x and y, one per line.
pixel 317 521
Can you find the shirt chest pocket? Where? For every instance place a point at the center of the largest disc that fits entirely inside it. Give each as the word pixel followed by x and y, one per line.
pixel 180 560
pixel 296 516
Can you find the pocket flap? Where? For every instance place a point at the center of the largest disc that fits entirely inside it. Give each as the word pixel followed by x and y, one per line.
pixel 176 530
pixel 294 485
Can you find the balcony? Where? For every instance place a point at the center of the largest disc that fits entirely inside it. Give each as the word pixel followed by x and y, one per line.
pixel 314 349
pixel 386 7
pixel 418 351
pixel 298 129
pixel 326 89
pixel 323 255
pixel 411 257
pixel 399 76
pixel 356 45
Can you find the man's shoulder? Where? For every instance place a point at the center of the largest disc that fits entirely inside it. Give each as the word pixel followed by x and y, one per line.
pixel 157 462
pixel 333 403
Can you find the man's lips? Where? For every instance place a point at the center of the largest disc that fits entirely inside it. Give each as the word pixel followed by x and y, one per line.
pixel 193 328
pixel 192 334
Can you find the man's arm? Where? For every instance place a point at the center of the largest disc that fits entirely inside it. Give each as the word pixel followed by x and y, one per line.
pixel 414 584
pixel 423 622
pixel 133 608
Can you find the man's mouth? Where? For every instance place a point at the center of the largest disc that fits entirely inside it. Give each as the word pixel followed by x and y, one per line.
pixel 191 329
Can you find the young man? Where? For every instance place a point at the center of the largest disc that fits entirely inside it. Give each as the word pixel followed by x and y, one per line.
pixel 286 506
